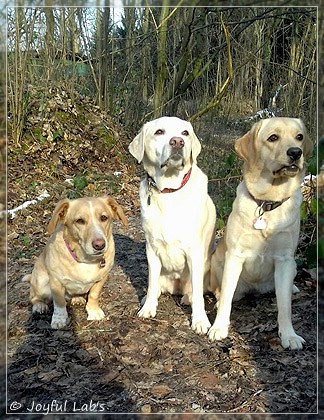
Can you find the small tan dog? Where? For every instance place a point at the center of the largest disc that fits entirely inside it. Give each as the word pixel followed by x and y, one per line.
pixel 77 258
pixel 258 248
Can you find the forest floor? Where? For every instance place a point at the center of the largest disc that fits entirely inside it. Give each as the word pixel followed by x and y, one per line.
pixel 124 364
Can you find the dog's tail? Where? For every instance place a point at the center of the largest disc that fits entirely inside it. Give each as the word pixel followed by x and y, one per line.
pixel 27 277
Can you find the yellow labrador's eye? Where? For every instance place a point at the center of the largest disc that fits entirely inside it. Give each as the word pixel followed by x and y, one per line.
pixel 103 218
pixel 159 132
pixel 299 137
pixel 185 133
pixel 80 221
pixel 273 138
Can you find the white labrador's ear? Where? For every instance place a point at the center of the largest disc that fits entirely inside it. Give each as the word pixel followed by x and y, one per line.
pixel 136 148
pixel 195 147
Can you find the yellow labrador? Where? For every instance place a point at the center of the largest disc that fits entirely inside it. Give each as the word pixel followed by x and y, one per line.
pixel 77 258
pixel 178 216
pixel 257 251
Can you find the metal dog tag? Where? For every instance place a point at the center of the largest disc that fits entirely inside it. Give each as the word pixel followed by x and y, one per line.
pixel 259 223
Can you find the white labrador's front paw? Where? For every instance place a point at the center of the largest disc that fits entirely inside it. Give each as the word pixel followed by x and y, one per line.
pixel 148 310
pixel 59 319
pixel 292 341
pixel 200 324
pixel 217 332
pixel 95 314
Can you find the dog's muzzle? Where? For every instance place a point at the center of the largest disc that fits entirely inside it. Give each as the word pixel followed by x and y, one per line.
pixel 175 160
pixel 294 154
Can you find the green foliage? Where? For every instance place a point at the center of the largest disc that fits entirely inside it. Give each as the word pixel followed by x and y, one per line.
pixel 38 134
pixel 57 134
pixel 80 182
pixel 311 255
pixel 223 186
pixel 25 240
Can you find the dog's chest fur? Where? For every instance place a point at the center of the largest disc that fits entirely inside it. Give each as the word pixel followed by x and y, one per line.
pixel 260 248
pixel 172 221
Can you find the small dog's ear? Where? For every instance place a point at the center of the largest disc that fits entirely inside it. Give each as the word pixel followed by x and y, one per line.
pixel 59 215
pixel 136 147
pixel 246 146
pixel 117 211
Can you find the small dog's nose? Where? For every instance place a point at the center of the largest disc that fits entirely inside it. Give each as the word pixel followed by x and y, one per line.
pixel 98 244
pixel 177 142
pixel 294 153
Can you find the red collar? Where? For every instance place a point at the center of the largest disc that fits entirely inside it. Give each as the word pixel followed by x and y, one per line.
pixel 102 262
pixel 72 253
pixel 185 179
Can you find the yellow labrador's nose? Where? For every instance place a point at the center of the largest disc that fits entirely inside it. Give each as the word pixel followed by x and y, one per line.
pixel 176 142
pixel 294 153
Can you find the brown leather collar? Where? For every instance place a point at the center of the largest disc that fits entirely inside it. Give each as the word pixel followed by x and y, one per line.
pixel 268 205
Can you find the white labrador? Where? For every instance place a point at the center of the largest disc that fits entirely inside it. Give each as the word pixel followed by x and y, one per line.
pixel 178 216
pixel 257 251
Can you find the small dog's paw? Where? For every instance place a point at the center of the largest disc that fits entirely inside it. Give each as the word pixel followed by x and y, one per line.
pixel 95 314
pixel 186 300
pixel 200 324
pixel 59 319
pixel 216 333
pixel 148 310
pixel 40 308
pixel 292 341
pixel 78 300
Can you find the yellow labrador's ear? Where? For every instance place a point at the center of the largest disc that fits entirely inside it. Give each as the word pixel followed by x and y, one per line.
pixel 136 147
pixel 308 144
pixel 117 211
pixel 195 147
pixel 59 215
pixel 246 146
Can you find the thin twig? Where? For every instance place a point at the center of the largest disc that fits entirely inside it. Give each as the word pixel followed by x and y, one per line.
pixel 225 179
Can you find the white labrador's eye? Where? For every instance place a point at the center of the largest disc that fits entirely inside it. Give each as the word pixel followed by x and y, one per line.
pixel 299 137
pixel 185 133
pixel 159 132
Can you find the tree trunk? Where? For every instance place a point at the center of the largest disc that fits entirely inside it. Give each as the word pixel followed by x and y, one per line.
pixel 162 68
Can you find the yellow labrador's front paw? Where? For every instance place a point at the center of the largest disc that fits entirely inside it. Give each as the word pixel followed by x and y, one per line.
pixel 95 314
pixel 292 342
